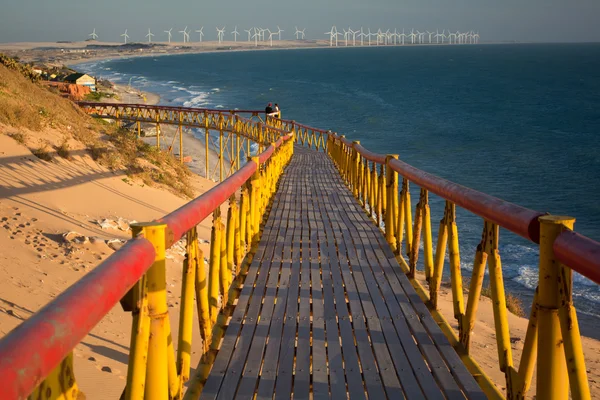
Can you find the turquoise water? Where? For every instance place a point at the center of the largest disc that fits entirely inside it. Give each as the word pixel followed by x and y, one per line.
pixel 521 122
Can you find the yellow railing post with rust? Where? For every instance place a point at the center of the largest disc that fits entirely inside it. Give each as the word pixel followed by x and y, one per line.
pixel 157 373
pixel 391 216
pixel 255 188
pixel 551 365
pixel 354 169
pixel 215 260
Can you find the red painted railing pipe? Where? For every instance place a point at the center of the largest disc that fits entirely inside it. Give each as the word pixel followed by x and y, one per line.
pixel 191 214
pixel 579 253
pixel 34 348
pixel 369 155
pixel 517 219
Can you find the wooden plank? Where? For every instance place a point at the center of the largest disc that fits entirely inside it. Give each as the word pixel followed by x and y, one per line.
pixel 372 379
pixel 266 326
pixel 337 379
pixel 320 381
pixel 217 374
pixel 374 324
pixel 356 389
pixel 240 353
pixel 302 371
pixel 283 386
pixel 460 374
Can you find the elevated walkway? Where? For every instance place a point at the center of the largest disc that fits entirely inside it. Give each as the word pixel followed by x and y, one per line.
pixel 326 309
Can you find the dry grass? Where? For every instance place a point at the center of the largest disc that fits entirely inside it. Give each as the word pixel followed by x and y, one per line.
pixel 63 149
pixel 513 303
pixel 27 105
pixel 42 152
pixel 19 137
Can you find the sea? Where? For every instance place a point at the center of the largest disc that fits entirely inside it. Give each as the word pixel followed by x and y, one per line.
pixel 517 121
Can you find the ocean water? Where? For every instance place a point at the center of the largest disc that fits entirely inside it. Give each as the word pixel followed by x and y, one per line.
pixel 520 122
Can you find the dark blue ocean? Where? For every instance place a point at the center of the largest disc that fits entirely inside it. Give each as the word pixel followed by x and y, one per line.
pixel 520 122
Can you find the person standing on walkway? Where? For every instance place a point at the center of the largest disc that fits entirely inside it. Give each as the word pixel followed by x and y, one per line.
pixel 268 109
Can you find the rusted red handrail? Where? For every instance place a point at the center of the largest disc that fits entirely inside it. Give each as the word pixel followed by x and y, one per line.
pixel 369 155
pixel 33 349
pixel 579 253
pixel 169 108
pixel 520 220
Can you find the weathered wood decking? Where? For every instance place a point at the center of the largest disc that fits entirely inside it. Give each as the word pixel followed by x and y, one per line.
pixel 326 311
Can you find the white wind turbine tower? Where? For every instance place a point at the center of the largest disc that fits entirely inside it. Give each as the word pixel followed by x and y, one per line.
pixel 402 36
pixel 278 33
pixel 429 33
pixel 331 33
pixel 93 34
pixel 298 33
pixel 149 36
pixel 256 36
pixel 200 33
pixel 395 36
pixel 353 33
pixel 184 32
pixel 125 36
pixel 249 31
pixel 437 36
pixel 169 33
pixel 220 34
pixel 346 34
pixel 271 36
pixel 362 36
pixel 412 36
pixel 235 34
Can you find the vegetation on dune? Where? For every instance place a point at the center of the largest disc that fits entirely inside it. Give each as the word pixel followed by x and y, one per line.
pixel 34 108
pixel 513 303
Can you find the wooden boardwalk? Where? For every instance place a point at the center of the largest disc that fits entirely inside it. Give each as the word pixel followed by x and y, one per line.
pixel 326 311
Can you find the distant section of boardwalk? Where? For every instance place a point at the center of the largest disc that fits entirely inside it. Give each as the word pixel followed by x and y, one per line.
pixel 326 311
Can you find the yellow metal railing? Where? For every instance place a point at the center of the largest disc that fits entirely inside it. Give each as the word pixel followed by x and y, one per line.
pixel 38 355
pixel 303 134
pixel 381 184
pixel 227 134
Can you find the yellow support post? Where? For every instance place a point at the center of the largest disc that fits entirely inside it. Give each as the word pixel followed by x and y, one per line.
pixel 244 240
pixel 407 216
pixel 196 257
pixel 139 129
pixel 157 373
pixel 60 383
pixel 140 334
pixel 551 363
pixel 427 239
pixel 418 225
pixel 440 254
pixel 223 271
pixel 354 166
pixel 157 131
pixel 215 259
pixel 186 312
pixel 468 321
pixel 456 275
pixel 206 141
pixel 529 355
pixel 255 187
pixel 499 303
pixel 221 161
pixel 391 181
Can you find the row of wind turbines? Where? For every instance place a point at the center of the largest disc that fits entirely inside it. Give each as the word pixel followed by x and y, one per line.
pixel 349 37
pixel 395 38
pixel 256 34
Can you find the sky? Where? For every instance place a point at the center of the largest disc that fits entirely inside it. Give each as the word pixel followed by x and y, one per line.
pixel 496 20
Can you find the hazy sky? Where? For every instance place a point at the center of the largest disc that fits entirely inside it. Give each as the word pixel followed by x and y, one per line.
pixel 496 20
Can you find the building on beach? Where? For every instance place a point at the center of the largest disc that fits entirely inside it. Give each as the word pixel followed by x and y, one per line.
pixel 82 79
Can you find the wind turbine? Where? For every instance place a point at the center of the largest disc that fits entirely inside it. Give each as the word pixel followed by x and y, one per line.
pixel 169 33
pixel 353 33
pixel 249 31
pixel 346 34
pixel 298 33
pixel 235 34
pixel 362 36
pixel 271 35
pixel 93 34
pixel 200 33
pixel 149 36
pixel 125 36
pixel 412 36
pixel 429 33
pixel 220 34
pixel 402 36
pixel 369 36
pixel 331 33
pixel 185 34
pixel 279 30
